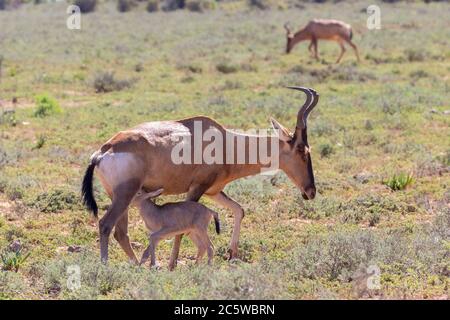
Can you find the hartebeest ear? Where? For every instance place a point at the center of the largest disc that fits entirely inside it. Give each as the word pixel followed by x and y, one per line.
pixel 154 194
pixel 283 133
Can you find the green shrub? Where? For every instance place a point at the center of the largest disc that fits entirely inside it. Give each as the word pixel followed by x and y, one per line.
pixel 56 200
pixel 418 74
pixel 86 5
pixel 12 285
pixel 139 67
pixel 125 5
pixel 399 182
pixel 413 55
pixel 227 68
pixel 153 5
pixel 170 5
pixel 13 260
pixel 445 158
pixel 260 4
pixel 46 105
pixel 106 82
pixel 232 85
pixel 199 5
pixel 8 117
pixel 40 142
pixel 325 150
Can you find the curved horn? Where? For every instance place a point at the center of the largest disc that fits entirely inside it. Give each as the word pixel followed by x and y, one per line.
pixel 312 105
pixel 307 106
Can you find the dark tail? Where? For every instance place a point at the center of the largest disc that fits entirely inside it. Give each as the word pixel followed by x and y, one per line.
pixel 216 221
pixel 87 190
pixel 351 34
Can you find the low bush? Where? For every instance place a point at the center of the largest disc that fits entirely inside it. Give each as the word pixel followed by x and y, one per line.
pixel 13 260
pixel 107 82
pixel 399 182
pixel 86 5
pixel 227 68
pixel 153 5
pixel 325 150
pixel 46 105
pixel 200 5
pixel 125 5
pixel 57 200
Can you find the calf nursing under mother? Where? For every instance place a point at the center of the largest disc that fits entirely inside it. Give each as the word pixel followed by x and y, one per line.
pixel 174 218
pixel 141 157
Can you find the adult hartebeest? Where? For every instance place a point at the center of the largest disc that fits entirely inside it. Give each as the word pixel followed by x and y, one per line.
pixel 322 29
pixel 142 157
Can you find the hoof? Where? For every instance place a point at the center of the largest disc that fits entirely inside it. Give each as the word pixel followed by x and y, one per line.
pixel 172 266
pixel 232 254
pixel 155 267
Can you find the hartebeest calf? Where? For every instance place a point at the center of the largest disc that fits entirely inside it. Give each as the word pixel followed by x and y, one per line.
pixel 142 158
pixel 172 219
pixel 316 29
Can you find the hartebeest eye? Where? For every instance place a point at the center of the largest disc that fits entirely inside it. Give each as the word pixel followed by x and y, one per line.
pixel 302 151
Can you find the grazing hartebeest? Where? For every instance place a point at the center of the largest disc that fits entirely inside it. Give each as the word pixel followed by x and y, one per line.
pixel 142 158
pixel 322 29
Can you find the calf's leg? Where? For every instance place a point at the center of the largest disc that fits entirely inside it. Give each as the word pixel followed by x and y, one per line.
pixel 194 194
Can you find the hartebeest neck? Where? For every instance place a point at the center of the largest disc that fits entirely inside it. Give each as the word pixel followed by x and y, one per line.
pixel 251 154
pixel 301 35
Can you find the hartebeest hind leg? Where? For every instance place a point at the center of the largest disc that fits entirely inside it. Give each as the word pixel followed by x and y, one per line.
pixel 122 196
pixel 355 48
pixel 342 52
pixel 225 201
pixel 121 235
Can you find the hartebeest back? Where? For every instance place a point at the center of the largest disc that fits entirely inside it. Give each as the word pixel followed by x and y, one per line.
pixel 322 29
pixel 142 157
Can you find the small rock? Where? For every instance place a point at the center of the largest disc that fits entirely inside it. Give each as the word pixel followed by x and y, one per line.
pixel 15 246
pixel 447 112
pixel 434 111
pixel 74 248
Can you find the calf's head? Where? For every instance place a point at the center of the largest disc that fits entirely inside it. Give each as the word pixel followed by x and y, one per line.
pixel 294 151
pixel 141 196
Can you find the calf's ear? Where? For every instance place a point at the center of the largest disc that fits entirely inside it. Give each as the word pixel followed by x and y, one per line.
pixel 154 194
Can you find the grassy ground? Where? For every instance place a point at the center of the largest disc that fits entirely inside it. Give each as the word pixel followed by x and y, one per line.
pixel 377 119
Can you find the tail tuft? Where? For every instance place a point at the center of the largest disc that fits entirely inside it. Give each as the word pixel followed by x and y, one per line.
pixel 351 34
pixel 87 190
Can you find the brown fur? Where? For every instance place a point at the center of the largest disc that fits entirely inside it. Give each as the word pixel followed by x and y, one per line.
pixel 141 158
pixel 316 29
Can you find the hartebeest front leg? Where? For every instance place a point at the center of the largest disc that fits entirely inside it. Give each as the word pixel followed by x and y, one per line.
pixel 355 48
pixel 316 53
pixel 225 201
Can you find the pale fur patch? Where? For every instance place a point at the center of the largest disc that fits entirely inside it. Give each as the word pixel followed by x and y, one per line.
pixel 116 168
